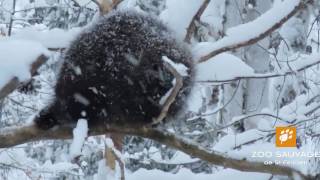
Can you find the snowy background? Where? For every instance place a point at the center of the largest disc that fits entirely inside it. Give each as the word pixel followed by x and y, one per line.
pixel 238 99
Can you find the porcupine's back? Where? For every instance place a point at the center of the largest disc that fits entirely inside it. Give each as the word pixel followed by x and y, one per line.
pixel 114 72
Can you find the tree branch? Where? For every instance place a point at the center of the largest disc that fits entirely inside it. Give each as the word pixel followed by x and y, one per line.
pixel 267 75
pixel 14 136
pixel 105 6
pixel 173 94
pixel 11 17
pixel 196 17
pixel 14 83
pixel 247 42
pixel 9 87
pixel 19 135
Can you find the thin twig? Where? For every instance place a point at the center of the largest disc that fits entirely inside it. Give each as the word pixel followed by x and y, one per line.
pixel 11 17
pixel 224 105
pixel 253 141
pixel 255 115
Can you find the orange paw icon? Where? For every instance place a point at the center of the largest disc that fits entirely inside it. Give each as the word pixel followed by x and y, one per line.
pixel 286 137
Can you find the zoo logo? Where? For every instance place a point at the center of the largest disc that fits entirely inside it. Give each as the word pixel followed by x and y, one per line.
pixel 286 137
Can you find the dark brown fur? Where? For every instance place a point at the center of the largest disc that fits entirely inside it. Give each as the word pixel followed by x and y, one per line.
pixel 114 72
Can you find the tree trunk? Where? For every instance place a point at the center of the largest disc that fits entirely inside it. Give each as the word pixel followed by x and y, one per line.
pixel 252 94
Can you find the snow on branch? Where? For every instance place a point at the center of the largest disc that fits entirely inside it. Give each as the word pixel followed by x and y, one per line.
pixel 192 26
pixel 178 15
pixel 238 119
pixel 303 63
pixel 14 136
pixel 256 30
pixel 20 61
pixel 80 132
pixel 168 64
pixel 54 39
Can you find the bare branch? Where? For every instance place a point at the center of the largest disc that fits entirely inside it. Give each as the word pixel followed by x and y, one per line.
pixel 19 135
pixel 301 5
pixel 14 83
pixel 110 157
pixel 121 164
pixel 192 26
pixel 36 64
pixel 11 17
pixel 173 94
pixel 9 87
pixel 105 6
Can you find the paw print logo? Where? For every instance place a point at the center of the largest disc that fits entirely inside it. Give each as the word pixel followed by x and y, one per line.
pixel 285 136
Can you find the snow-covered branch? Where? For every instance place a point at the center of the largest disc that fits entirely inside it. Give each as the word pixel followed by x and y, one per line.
pixel 192 26
pixel 263 26
pixel 173 93
pixel 300 65
pixel 19 135
pixel 19 66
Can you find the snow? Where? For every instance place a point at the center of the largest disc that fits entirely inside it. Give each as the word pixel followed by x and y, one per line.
pixel 298 109
pixel 247 31
pixel 79 135
pixel 226 174
pixel 10 156
pixel 58 166
pixel 214 13
pixel 109 143
pixel 291 30
pixel 81 99
pixel 178 158
pixel 155 155
pixel 54 38
pixel 260 151
pixel 194 101
pixel 178 15
pixel 225 66
pixel 104 172
pixel 302 60
pixel 16 58
pixel 180 68
pixel 296 158
pixel 222 67
pixel 230 141
pixel 28 43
